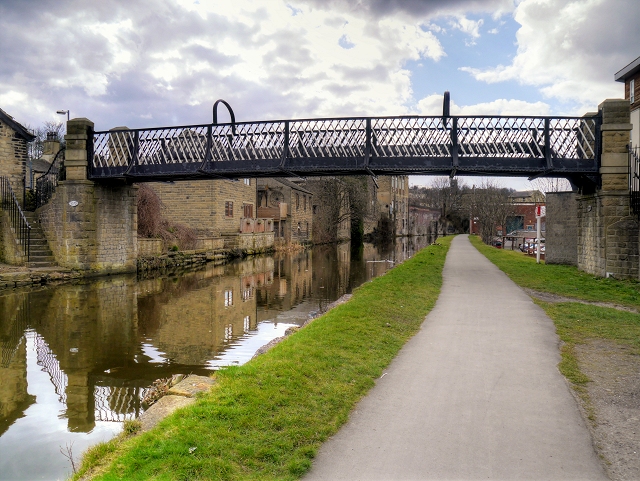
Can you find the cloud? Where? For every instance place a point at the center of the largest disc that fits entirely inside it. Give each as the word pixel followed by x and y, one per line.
pixel 571 49
pixel 115 61
pixel 432 105
pixel 469 27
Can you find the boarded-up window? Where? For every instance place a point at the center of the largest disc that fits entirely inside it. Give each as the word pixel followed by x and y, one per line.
pixel 228 209
pixel 247 210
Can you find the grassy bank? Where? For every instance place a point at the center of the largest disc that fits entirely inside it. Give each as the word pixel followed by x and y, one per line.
pixel 576 323
pixel 266 419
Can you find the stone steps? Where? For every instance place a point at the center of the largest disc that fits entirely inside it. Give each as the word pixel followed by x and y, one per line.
pixel 40 255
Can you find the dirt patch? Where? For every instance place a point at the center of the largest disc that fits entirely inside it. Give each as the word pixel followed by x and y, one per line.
pixel 614 394
pixel 548 297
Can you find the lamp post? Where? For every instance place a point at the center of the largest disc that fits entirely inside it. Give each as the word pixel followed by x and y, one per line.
pixel 62 112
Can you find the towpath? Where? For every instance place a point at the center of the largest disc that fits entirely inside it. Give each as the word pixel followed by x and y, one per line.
pixel 476 394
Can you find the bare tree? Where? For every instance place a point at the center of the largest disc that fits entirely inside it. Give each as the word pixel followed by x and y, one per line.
pixel 449 197
pixel 491 207
pixel 550 184
pixel 336 200
pixel 56 129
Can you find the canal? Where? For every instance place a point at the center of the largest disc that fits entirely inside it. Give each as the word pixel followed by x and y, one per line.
pixel 78 358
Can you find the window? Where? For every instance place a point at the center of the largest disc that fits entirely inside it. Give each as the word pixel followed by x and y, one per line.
pixel 297 201
pixel 632 90
pixel 247 324
pixel 247 210
pixel 228 298
pixel 228 209
pixel 529 227
pixel 247 181
pixel 304 202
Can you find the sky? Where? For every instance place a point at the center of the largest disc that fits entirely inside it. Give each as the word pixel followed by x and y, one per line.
pixel 165 62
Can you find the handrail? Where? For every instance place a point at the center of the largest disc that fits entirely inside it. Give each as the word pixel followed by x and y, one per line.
pixel 634 179
pixel 46 184
pixel 18 220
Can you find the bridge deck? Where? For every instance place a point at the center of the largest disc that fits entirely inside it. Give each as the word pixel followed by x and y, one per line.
pixel 479 145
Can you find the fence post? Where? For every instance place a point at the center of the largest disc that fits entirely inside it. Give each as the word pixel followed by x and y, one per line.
pixel 76 157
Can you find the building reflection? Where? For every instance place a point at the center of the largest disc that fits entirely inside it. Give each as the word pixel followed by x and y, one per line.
pixel 102 343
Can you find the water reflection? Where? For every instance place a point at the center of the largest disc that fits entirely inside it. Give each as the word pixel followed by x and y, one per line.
pixel 76 359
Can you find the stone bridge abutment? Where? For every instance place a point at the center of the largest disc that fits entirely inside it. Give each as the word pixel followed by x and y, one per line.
pixel 90 226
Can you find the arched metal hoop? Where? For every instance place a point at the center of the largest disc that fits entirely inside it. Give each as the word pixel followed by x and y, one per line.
pixel 215 114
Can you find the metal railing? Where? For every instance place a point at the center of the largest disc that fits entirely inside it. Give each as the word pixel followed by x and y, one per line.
pixel 411 144
pixel 634 179
pixel 46 184
pixel 19 224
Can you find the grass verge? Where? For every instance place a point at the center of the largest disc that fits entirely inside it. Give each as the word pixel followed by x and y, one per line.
pixel 558 279
pixel 267 418
pixel 575 323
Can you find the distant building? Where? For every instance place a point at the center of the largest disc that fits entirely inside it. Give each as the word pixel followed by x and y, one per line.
pixel 290 207
pixel 422 220
pixel 630 75
pixel 389 200
pixel 524 215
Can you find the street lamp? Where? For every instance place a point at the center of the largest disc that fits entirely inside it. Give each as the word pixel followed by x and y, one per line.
pixel 62 112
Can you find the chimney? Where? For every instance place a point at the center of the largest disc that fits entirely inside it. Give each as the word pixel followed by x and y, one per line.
pixel 51 146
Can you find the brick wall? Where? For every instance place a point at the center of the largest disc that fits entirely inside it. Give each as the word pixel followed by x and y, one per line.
pixel 562 228
pixel 200 204
pixel 13 157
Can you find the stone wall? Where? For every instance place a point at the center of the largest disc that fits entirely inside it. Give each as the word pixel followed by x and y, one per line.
pixel 13 156
pixel 562 228
pixel 92 226
pixel 607 230
pixel 11 251
pixel 200 204
pixel 249 243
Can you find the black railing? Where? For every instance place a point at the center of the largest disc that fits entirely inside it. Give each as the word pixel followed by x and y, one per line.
pixel 46 184
pixel 479 145
pixel 634 179
pixel 21 227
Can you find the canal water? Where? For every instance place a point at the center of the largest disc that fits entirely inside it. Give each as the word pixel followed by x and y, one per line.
pixel 78 358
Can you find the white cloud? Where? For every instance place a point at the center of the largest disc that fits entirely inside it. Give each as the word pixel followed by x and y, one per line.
pixel 432 105
pixel 469 27
pixel 570 49
pixel 269 59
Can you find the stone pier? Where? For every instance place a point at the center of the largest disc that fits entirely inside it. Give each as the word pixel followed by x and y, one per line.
pixel 607 228
pixel 90 226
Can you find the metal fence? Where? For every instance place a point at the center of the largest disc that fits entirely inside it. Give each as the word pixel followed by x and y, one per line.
pixel 46 184
pixel 634 179
pixel 412 144
pixel 19 224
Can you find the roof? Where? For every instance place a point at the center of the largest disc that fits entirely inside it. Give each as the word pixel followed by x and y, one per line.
pixel 628 71
pixel 291 185
pixel 20 129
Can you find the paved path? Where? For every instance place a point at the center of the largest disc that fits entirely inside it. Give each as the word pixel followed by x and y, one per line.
pixel 476 394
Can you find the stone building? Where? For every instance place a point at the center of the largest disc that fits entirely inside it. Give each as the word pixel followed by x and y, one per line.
pixel 290 207
pixel 389 199
pixel 422 220
pixel 14 140
pixel 630 75
pixel 217 209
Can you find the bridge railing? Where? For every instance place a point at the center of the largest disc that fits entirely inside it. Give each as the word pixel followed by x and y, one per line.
pixel 412 144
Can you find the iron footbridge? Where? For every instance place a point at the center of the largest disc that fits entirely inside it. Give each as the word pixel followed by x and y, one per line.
pixel 406 145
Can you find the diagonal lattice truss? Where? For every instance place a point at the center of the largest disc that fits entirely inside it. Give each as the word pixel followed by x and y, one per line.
pixel 478 145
